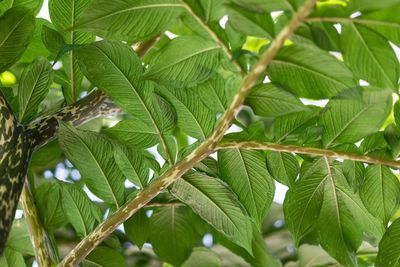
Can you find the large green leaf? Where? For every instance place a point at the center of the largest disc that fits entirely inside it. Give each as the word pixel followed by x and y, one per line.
pixel 202 257
pixel 194 117
pixel 185 61
pixel 104 257
pixel 389 247
pixel 16 30
pixel 322 202
pixel 284 167
pixel 129 20
pixel 245 171
pixel 214 93
pixel 12 258
pixel 270 100
pixel 36 47
pixel 354 114
pixel 172 235
pixel 132 164
pixel 64 14
pixel 138 228
pixel 92 154
pixel 248 22
pixel 116 69
pixel 213 201
pixel 380 192
pixel 370 56
pixel 19 238
pixel 365 5
pixel 310 72
pixel 33 87
pixel 78 208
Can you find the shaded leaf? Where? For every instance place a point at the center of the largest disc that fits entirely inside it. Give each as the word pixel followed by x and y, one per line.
pixel 171 234
pixel 16 30
pixel 370 56
pixel 33 87
pixel 104 257
pixel 389 247
pixel 212 200
pixel 380 192
pixel 92 154
pixel 202 257
pixel 246 173
pixel 284 167
pixel 138 228
pixel 129 20
pixel 184 61
pixel 310 72
pixel 270 100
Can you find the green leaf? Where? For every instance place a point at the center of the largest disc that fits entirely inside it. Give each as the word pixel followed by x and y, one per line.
pixel 370 56
pixel 19 238
pixel 212 200
pixel 366 5
pixel 321 201
pixel 16 30
pixel 104 257
pixel 52 39
pixel 78 209
pixel 11 258
pixel 310 72
pixel 129 20
pixel 389 247
pixel 64 14
pixel 134 133
pixel 354 172
pixel 171 234
pixel 396 112
pixel 213 94
pixel 246 173
pixel 138 228
pixel 202 257
pixel 270 100
pixel 5 5
pixel 354 114
pixel 249 22
pixel 49 202
pixel 380 192
pixel 184 61
pixel 92 154
pixel 116 69
pixel 289 127
pixel 36 47
pixel 392 135
pixel 33 5
pixel 284 167
pixel 194 117
pixel 132 164
pixel 33 87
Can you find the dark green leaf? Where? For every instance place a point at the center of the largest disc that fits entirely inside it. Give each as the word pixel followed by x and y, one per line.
pixel 185 61
pixel 392 135
pixel 138 228
pixel 310 72
pixel 33 87
pixel 171 234
pixel 389 247
pixel 354 114
pixel 132 164
pixel 129 20
pixel 78 209
pixel 370 56
pixel 212 200
pixel 52 39
pixel 284 167
pixel 93 155
pixel 16 30
pixel 104 257
pixel 270 100
pixel 246 173
pixel 194 117
pixel 380 192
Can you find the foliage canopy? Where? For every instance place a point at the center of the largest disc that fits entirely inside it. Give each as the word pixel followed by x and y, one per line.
pixel 317 83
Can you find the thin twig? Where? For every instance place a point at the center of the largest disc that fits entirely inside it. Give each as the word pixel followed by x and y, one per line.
pixel 37 233
pixel 307 150
pixel 207 147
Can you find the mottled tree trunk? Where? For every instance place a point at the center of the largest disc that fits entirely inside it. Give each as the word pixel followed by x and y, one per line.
pixel 14 159
pixel 17 142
